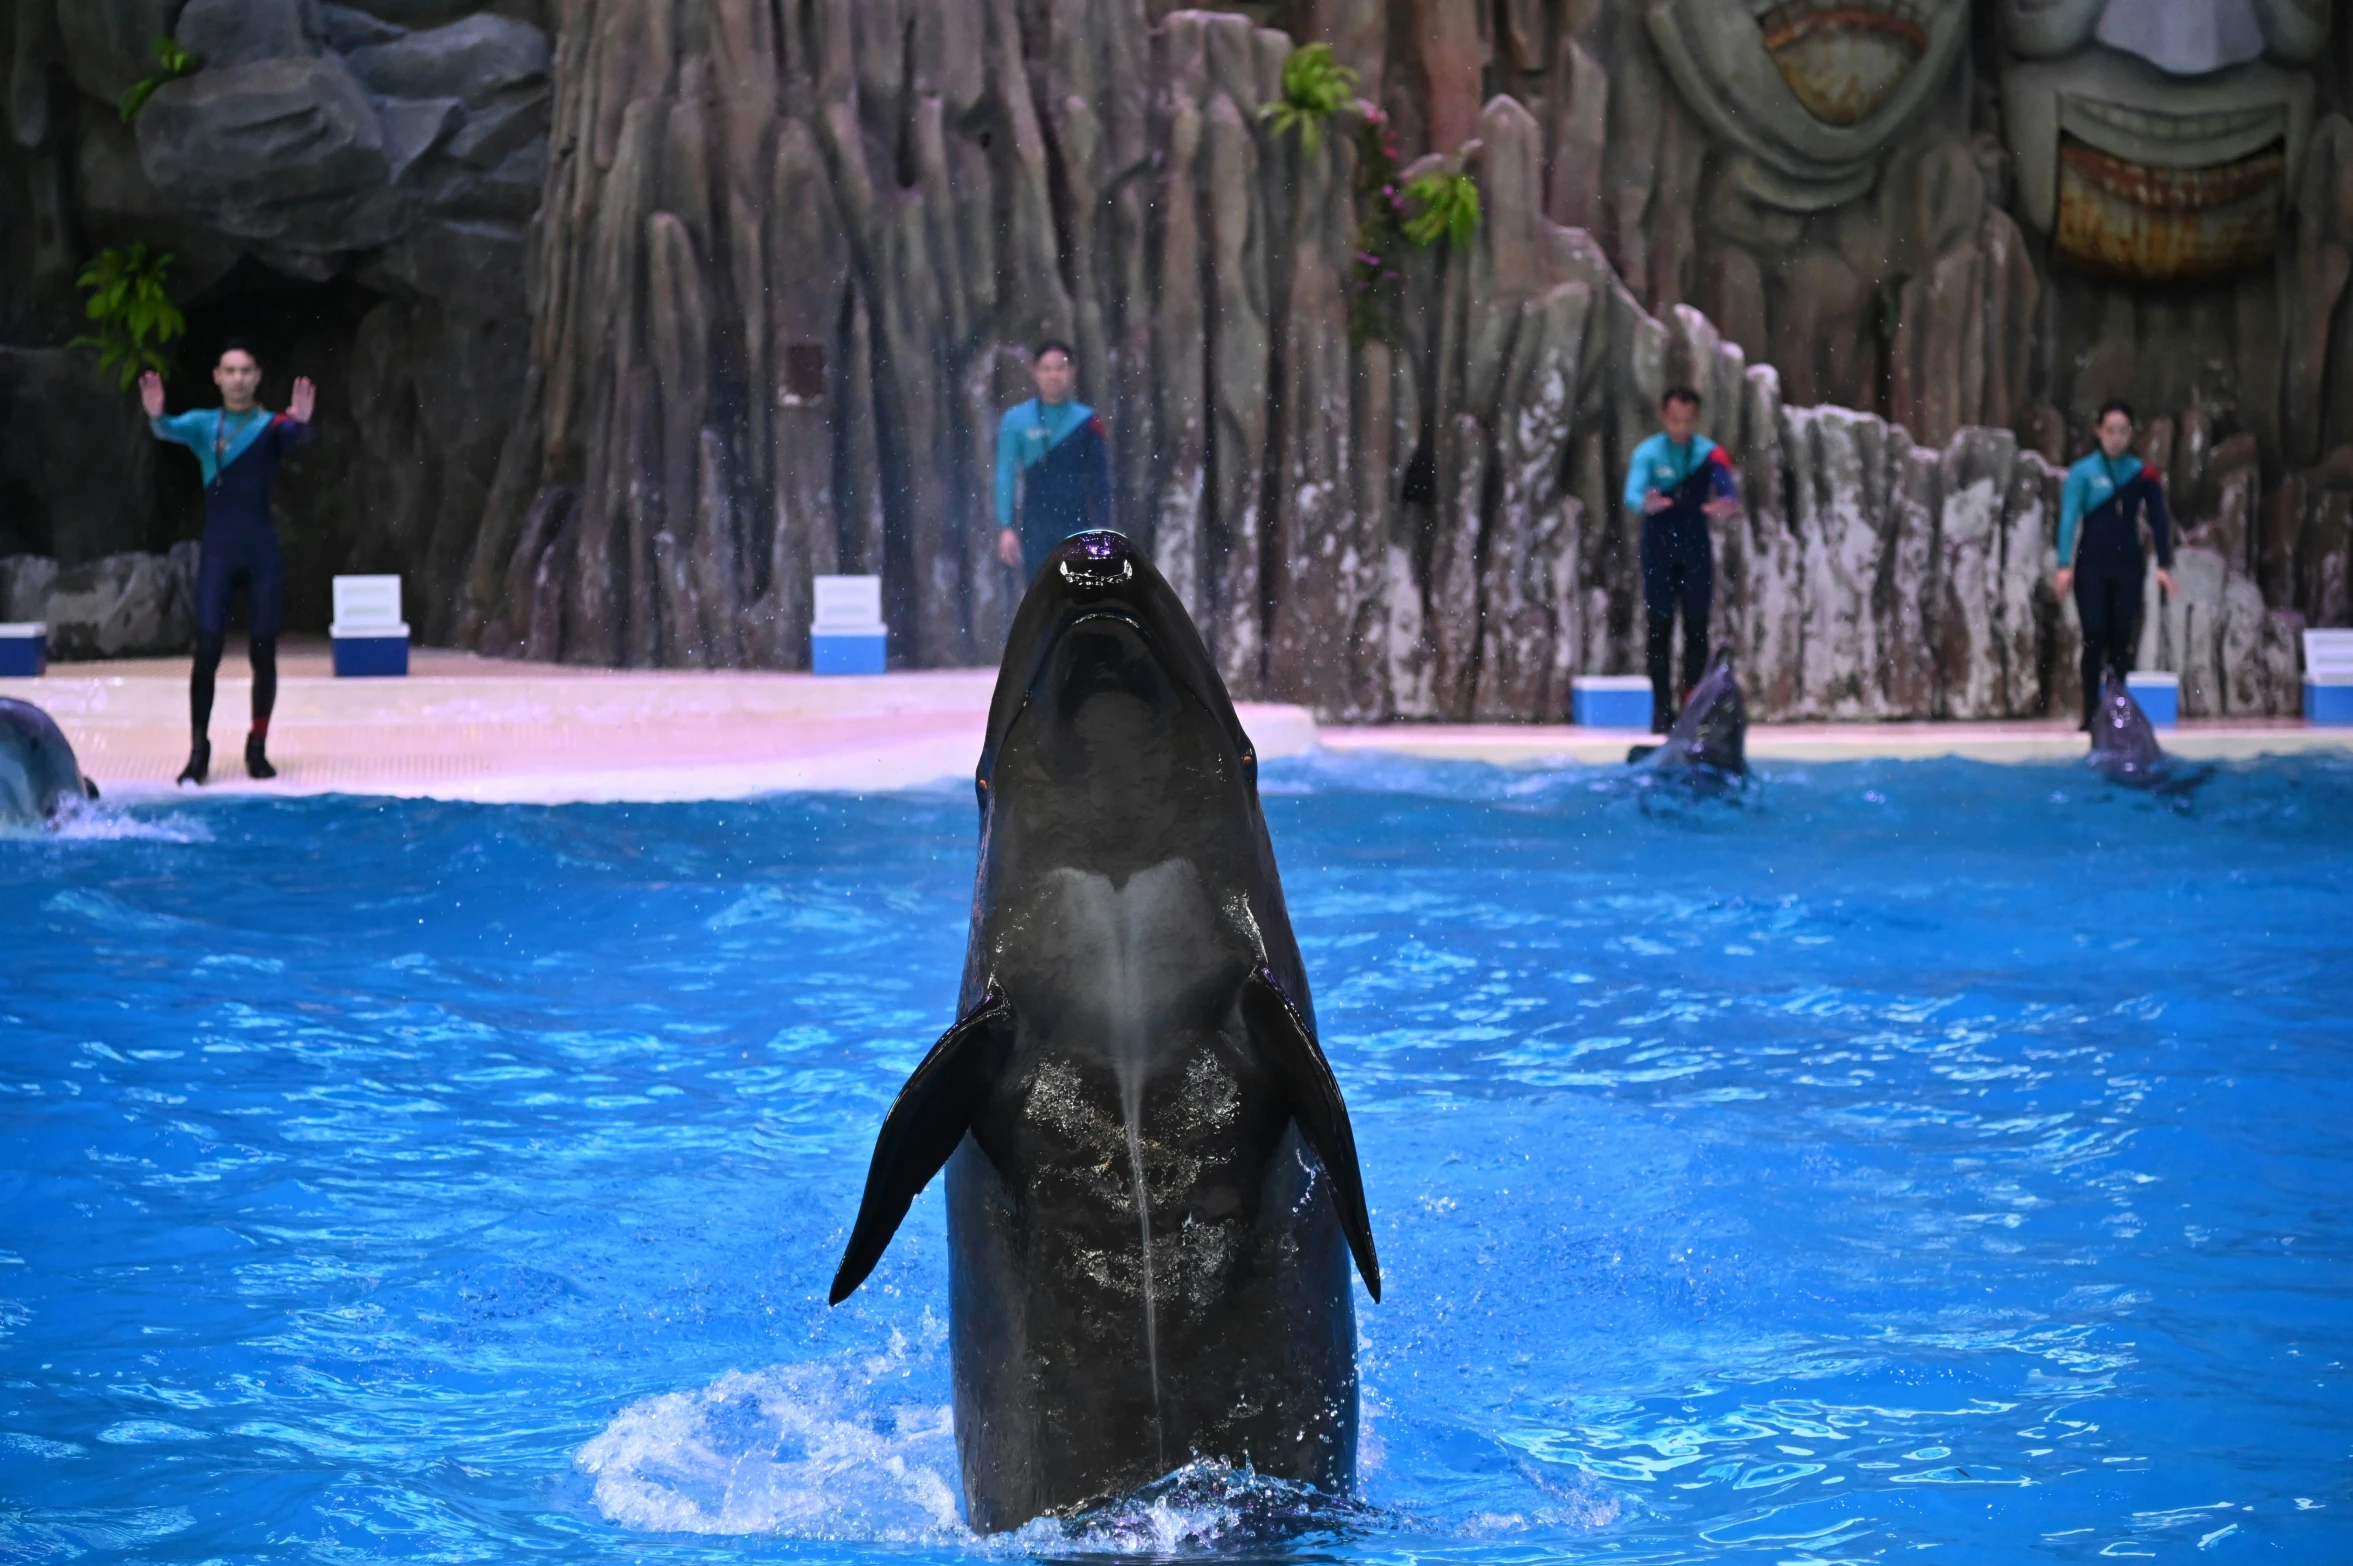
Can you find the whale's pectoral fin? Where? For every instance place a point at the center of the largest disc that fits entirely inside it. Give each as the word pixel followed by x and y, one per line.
pixel 89 789
pixel 927 1120
pixel 1289 1054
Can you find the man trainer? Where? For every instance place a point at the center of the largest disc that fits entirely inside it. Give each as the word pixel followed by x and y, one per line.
pixel 2100 548
pixel 238 445
pixel 1056 449
pixel 1680 481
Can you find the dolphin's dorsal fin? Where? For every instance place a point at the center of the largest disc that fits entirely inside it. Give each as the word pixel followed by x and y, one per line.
pixel 927 1120
pixel 1287 1051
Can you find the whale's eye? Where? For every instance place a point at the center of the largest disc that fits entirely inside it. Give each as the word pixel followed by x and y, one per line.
pixel 980 790
pixel 1250 764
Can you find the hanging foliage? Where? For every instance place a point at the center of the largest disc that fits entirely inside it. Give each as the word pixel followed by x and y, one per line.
pixel 1315 87
pixel 175 61
pixel 1447 208
pixel 135 317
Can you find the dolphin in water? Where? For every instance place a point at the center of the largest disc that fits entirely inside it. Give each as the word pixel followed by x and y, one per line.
pixel 38 773
pixel 2125 748
pixel 1709 740
pixel 1153 1193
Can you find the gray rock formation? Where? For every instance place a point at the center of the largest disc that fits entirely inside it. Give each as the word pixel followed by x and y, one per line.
pixel 223 33
pixel 472 60
pixel 123 606
pixel 77 466
pixel 25 581
pixel 287 152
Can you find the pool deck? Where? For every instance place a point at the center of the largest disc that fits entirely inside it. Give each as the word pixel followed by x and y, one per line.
pixel 463 727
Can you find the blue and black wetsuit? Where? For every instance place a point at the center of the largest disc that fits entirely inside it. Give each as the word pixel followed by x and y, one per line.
pixel 1678 558
pixel 239 453
pixel 2100 508
pixel 1062 457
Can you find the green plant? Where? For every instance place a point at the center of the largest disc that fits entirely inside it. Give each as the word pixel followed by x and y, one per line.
pixel 1315 87
pixel 135 316
pixel 1449 206
pixel 176 62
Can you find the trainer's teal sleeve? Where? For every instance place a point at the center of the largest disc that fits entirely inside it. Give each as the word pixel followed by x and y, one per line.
pixel 1008 466
pixel 1638 471
pixel 192 428
pixel 2072 496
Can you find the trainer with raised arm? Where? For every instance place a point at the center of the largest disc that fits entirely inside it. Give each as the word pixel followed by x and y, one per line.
pixel 239 445
pixel 1053 449
pixel 1680 481
pixel 2100 559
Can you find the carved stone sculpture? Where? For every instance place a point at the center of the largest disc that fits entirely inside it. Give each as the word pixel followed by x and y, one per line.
pixel 2158 140
pixel 1807 92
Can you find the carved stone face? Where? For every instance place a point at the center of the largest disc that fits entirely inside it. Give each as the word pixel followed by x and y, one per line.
pixel 1809 91
pixel 2157 140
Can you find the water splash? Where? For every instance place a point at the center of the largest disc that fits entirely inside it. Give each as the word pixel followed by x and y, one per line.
pixel 1206 1507
pixel 105 823
pixel 817 1451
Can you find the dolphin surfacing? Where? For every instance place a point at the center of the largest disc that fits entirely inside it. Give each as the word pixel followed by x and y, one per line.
pixel 1710 737
pixel 39 775
pixel 1153 1193
pixel 2125 749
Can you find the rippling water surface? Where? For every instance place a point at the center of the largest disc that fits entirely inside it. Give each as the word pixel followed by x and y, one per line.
pixel 1903 1156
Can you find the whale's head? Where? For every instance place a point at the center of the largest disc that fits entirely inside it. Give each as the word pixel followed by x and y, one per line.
pixel 2124 742
pixel 39 777
pixel 1112 741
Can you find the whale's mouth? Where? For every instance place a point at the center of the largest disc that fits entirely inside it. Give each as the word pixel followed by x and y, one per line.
pixel 1844 59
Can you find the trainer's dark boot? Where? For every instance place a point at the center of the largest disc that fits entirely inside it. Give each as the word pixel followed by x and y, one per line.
pixel 257 765
pixel 199 762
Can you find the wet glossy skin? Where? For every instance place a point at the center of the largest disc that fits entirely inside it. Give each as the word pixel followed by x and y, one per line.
pixel 1711 733
pixel 1126 893
pixel 38 772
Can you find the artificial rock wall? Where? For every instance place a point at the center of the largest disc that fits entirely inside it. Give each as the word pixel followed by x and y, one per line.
pixel 624 336
pixel 790 255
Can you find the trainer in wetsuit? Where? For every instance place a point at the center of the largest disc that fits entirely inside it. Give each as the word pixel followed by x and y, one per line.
pixel 2100 548
pixel 1680 481
pixel 1054 447
pixel 239 445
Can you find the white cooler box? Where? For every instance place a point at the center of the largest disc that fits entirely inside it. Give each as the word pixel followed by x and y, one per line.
pixel 2328 677
pixel 847 635
pixel 371 640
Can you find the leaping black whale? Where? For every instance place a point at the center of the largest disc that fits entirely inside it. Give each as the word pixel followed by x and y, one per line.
pixel 1710 735
pixel 1153 1191
pixel 39 774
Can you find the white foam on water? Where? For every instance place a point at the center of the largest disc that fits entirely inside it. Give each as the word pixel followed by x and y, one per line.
pixel 103 823
pixel 1206 1507
pixel 833 1450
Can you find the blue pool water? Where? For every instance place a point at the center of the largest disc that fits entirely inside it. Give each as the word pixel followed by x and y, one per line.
pixel 1904 1156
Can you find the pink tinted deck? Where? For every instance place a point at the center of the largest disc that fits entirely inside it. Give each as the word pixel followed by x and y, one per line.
pixel 463 727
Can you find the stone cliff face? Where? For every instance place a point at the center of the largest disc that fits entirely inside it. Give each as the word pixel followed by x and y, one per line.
pixel 788 256
pixel 791 255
